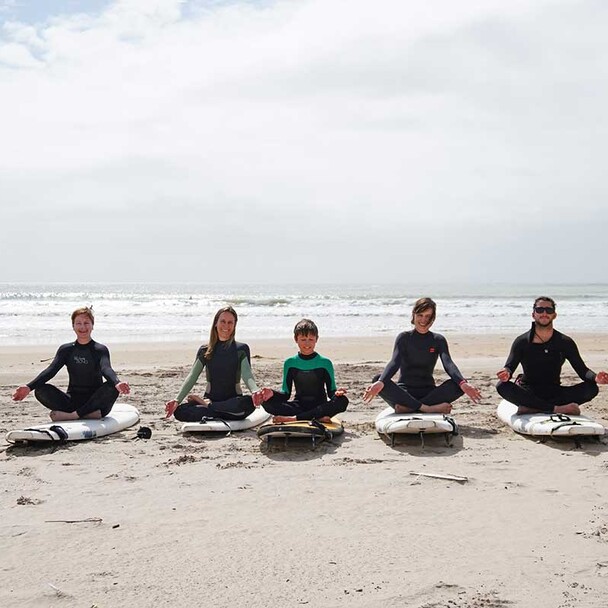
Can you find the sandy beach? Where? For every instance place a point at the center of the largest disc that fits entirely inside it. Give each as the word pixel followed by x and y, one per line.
pixel 186 521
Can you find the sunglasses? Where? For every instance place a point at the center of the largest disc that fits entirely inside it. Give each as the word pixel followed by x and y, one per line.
pixel 548 309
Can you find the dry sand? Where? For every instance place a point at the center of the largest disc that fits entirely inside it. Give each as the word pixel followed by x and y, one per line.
pixel 226 521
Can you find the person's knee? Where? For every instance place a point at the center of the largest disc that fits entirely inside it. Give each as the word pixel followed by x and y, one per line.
pixel 52 398
pixel 42 393
pixel 277 405
pixel 235 408
pixel 270 408
pixel 110 395
pixel 591 391
pixel 458 392
pixel 246 402
pixel 503 388
pixel 111 389
pixel 106 409
pixel 183 413
pixel 341 403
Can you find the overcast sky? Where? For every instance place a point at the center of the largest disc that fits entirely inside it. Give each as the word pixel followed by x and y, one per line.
pixel 303 140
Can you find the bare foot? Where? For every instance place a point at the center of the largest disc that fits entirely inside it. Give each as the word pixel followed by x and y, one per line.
pixel 569 408
pixel 198 400
pixel 522 409
pixel 440 408
pixel 59 416
pixel 324 419
pixel 281 419
pixel 401 409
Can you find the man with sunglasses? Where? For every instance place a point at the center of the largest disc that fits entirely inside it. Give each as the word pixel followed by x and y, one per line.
pixel 542 352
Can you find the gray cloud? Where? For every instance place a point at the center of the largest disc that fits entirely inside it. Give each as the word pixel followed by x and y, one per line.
pixel 444 140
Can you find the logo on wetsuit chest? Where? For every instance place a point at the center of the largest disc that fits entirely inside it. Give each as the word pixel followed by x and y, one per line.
pixel 432 349
pixel 80 360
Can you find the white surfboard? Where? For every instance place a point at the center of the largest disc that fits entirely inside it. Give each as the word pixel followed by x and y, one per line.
pixel 388 422
pixel 121 417
pixel 391 424
pixel 554 425
pixel 217 425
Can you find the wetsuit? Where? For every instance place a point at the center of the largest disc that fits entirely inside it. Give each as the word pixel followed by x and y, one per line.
pixel 415 356
pixel 87 365
pixel 539 387
pixel 313 378
pixel 230 362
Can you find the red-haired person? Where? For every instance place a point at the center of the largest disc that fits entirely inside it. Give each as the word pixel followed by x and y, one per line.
pixel 88 363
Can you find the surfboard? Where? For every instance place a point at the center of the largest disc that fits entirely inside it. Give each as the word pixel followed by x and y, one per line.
pixel 553 425
pixel 217 425
pixel 312 429
pixel 121 417
pixel 389 423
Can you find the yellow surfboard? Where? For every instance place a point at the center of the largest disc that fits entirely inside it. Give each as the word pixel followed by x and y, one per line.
pixel 302 428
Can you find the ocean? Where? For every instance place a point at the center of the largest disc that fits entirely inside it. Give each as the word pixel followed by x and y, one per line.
pixel 137 312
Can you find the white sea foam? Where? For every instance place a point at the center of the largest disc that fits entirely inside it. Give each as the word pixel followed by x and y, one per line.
pixel 39 314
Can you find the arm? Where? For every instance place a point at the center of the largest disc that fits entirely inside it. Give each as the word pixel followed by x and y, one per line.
pixel 266 393
pixel 330 382
pixel 472 392
pixel 190 381
pixel 107 372
pixel 578 365
pixel 389 371
pixel 446 360
pixel 393 365
pixel 21 393
pixel 262 396
pixel 513 360
pixel 247 374
pixel 601 378
pixel 372 390
pixel 51 371
pixel 287 380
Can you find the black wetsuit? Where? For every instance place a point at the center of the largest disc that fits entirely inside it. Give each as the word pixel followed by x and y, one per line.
pixel 315 384
pixel 230 362
pixel 415 356
pixel 539 387
pixel 87 365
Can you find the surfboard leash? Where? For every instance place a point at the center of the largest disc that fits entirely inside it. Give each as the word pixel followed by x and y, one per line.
pixel 58 430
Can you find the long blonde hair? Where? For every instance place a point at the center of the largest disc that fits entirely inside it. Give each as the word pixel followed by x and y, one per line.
pixel 213 337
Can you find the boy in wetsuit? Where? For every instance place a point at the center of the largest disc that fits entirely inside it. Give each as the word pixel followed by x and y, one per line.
pixel 313 377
